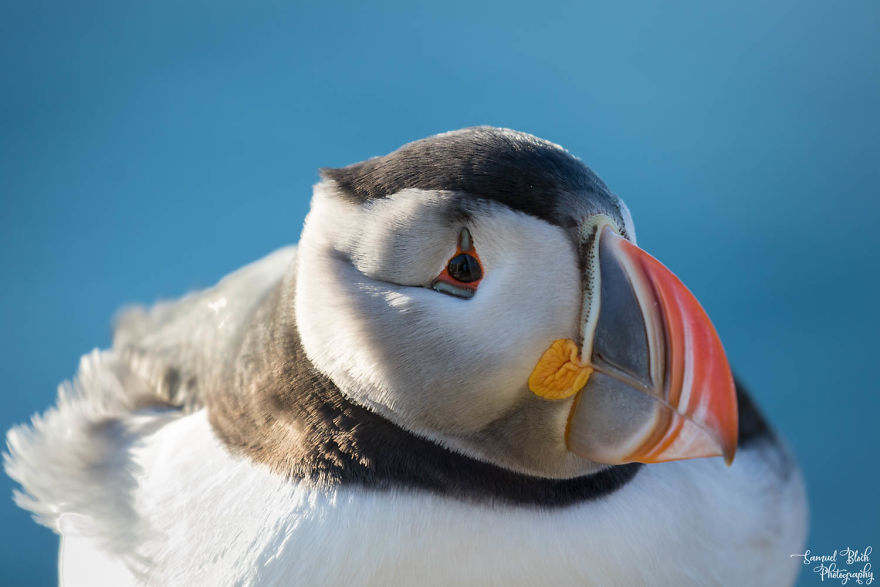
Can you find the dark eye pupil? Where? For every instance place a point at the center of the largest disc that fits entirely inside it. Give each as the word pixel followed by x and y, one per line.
pixel 464 268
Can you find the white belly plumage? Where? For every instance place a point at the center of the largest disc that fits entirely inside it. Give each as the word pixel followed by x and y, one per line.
pixel 209 518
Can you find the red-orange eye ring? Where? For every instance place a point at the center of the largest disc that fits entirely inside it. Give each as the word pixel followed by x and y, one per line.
pixel 464 270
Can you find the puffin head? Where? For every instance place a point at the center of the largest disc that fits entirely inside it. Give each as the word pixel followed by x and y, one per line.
pixel 482 289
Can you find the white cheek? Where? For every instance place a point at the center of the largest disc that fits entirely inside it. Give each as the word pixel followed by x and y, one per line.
pixel 529 297
pixel 333 331
pixel 393 233
pixel 431 361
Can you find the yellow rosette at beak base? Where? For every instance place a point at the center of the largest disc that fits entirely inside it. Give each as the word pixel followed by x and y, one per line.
pixel 559 373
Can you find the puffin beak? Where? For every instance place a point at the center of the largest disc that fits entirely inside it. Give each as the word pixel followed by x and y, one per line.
pixel 652 382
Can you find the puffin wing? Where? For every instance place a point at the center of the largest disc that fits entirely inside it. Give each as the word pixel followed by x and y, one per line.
pixel 75 462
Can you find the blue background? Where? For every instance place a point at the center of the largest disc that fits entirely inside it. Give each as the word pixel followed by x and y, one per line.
pixel 148 149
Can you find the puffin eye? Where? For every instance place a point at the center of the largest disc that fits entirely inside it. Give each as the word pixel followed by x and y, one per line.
pixel 463 272
pixel 465 268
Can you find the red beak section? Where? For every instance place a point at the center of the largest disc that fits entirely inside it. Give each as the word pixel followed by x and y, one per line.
pixel 661 387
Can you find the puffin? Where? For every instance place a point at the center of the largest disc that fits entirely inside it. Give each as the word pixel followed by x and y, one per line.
pixel 466 372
